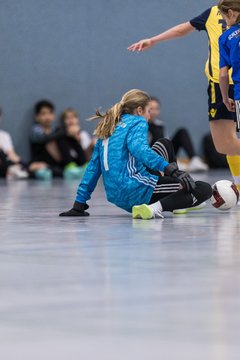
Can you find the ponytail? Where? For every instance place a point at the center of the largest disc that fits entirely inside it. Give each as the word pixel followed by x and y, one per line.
pixel 108 121
pixel 111 118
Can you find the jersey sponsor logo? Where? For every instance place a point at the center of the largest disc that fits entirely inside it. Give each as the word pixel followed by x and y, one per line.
pixel 213 112
pixel 234 34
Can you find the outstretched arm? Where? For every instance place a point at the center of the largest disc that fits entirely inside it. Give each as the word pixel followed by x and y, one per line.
pixel 175 32
pixel 197 23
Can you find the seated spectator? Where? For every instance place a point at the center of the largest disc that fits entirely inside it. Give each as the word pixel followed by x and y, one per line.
pixel 11 165
pixel 48 147
pixel 70 123
pixel 181 139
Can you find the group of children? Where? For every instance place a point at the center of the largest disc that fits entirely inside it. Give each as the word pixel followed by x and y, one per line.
pixel 65 149
pixel 61 150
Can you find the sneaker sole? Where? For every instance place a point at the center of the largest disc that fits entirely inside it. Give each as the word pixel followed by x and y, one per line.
pixel 142 212
pixel 186 211
pixel 180 212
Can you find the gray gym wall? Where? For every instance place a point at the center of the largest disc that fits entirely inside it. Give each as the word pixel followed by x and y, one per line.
pixel 74 53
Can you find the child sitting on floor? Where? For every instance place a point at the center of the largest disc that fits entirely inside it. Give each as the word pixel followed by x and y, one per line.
pixel 48 146
pixel 76 138
pixel 11 164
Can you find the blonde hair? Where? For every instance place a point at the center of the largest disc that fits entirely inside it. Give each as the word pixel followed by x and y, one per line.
pixel 225 5
pixel 109 120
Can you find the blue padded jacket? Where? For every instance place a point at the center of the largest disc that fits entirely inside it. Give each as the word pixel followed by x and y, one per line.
pixel 122 160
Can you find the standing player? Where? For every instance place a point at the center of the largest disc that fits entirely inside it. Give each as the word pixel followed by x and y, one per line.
pixel 229 44
pixel 131 169
pixel 222 121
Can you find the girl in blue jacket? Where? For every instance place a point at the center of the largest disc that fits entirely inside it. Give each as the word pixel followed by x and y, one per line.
pixel 132 172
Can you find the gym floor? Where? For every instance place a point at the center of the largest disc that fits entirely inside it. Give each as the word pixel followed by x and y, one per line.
pixel 107 287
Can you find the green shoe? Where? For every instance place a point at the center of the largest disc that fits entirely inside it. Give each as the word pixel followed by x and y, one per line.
pixel 73 172
pixel 144 212
pixel 186 211
pixel 180 212
pixel 71 165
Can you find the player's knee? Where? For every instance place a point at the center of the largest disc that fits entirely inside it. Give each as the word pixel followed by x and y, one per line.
pixel 162 147
pixel 224 145
pixel 203 191
pixel 221 148
pixel 165 142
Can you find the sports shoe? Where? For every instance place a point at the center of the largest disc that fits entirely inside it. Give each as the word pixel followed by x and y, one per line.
pixel 15 172
pixel 43 174
pixel 145 212
pixel 73 172
pixel 197 165
pixel 194 208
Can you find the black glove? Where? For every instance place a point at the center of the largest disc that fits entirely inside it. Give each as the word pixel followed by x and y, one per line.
pixel 185 179
pixel 77 210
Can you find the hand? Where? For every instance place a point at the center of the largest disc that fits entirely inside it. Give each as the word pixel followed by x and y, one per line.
pixel 185 179
pixel 77 210
pixel 141 45
pixel 230 104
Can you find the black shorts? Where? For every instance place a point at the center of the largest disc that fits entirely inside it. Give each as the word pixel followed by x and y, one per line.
pixel 216 108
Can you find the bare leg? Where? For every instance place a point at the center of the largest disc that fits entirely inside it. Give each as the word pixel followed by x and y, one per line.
pixel 225 137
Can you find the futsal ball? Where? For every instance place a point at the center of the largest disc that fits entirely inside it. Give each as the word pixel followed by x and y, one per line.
pixel 225 195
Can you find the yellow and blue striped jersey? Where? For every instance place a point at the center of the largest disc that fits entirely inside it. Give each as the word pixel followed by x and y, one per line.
pixel 213 23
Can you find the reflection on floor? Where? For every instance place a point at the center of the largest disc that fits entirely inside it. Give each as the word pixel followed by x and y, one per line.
pixel 107 287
